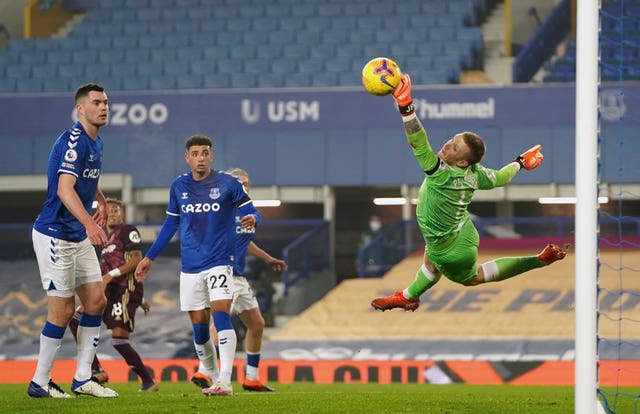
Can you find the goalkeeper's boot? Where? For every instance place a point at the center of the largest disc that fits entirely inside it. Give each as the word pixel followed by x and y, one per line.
pixel 552 253
pixel 51 390
pixel 397 300
pixel 218 388
pixel 256 385
pixel 92 387
pixel 100 375
pixel 201 380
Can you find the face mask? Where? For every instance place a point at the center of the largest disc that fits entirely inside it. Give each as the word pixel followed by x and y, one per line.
pixel 375 225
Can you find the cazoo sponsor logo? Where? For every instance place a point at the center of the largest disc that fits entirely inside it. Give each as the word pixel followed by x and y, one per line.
pixel 122 114
pixel 280 111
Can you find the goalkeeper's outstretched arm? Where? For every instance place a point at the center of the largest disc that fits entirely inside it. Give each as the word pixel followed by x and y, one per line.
pixel 416 134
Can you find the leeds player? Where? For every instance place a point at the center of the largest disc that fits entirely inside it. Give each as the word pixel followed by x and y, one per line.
pixel 124 294
pixel 451 240
pixel 202 204
pixel 63 238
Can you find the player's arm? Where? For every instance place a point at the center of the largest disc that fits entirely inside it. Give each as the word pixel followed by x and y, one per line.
pixel 250 216
pixel 134 257
pixel 72 202
pixel 528 160
pixel 416 134
pixel 168 229
pixel 276 264
pixel 100 216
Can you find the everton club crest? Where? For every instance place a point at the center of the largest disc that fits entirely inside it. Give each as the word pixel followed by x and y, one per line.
pixel 214 193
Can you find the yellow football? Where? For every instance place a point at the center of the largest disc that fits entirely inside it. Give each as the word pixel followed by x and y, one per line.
pixel 380 76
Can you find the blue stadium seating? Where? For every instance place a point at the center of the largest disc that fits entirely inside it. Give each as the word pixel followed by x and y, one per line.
pixel 194 43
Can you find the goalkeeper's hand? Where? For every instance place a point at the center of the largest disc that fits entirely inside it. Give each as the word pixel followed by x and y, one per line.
pixel 402 95
pixel 531 158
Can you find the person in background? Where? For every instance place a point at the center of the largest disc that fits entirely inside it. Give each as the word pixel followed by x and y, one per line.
pixel 124 294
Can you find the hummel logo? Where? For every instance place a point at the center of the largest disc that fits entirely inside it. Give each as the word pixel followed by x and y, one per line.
pixel 185 196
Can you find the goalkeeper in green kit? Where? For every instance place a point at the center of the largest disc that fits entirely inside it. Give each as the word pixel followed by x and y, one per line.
pixel 451 240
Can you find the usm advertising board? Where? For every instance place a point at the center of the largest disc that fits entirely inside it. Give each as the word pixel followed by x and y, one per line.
pixel 306 136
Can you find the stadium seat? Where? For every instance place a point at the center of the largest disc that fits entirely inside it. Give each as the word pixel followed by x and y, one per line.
pixel 243 80
pixel 311 65
pixel 18 71
pixel 189 81
pixel 58 56
pixel 163 82
pixel 137 55
pixel 257 66
pixel 151 41
pixel 202 67
pixel 123 69
pixel 148 68
pixel 216 80
pixel 32 57
pixel 81 57
pixel 46 71
pixel 163 54
pixel 243 52
pixel 270 80
pixel 324 50
pixel 137 83
pixel 70 70
pixel 111 56
pixel 297 79
pixel 324 79
pixel 56 85
pixel 230 66
pixel 29 85
pixel 7 85
pixel 176 67
pixel 96 70
pixel 338 64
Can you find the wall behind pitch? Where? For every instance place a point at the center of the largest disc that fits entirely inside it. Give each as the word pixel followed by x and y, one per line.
pixel 339 137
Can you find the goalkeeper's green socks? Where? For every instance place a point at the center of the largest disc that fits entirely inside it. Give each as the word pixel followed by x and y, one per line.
pixel 423 281
pixel 507 267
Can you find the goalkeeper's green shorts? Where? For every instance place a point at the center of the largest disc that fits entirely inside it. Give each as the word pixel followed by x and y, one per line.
pixel 458 260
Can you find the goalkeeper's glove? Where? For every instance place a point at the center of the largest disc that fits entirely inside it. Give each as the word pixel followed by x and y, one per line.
pixel 402 95
pixel 531 158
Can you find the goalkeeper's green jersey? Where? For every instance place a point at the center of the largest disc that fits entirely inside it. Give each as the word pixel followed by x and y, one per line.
pixel 447 190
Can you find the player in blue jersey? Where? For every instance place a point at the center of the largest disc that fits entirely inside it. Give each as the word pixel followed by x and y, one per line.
pixel 63 238
pixel 245 302
pixel 203 205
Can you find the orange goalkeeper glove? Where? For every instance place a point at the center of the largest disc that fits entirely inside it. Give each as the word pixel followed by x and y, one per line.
pixel 402 96
pixel 531 158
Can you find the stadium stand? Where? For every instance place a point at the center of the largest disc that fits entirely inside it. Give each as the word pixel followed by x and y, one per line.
pixel 325 39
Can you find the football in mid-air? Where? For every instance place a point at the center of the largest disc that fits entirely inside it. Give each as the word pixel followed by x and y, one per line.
pixel 380 76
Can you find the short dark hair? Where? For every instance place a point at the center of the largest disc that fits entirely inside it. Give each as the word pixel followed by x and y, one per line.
pixel 84 90
pixel 197 140
pixel 114 201
pixel 476 147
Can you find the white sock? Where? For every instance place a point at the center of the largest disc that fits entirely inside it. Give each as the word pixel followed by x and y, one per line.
pixel 227 346
pixel 208 359
pixel 47 356
pixel 88 337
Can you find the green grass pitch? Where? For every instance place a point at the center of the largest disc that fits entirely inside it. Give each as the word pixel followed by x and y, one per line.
pixel 184 397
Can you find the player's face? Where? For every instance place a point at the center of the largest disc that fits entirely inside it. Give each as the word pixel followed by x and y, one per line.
pixel 199 158
pixel 115 217
pixel 455 151
pixel 94 109
pixel 245 182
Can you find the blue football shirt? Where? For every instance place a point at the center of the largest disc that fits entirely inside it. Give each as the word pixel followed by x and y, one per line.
pixel 75 153
pixel 206 212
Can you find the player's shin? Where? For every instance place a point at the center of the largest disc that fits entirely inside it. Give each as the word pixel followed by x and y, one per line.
pixel 507 267
pixel 50 340
pixel 226 344
pixel 205 350
pixel 424 280
pixel 88 337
